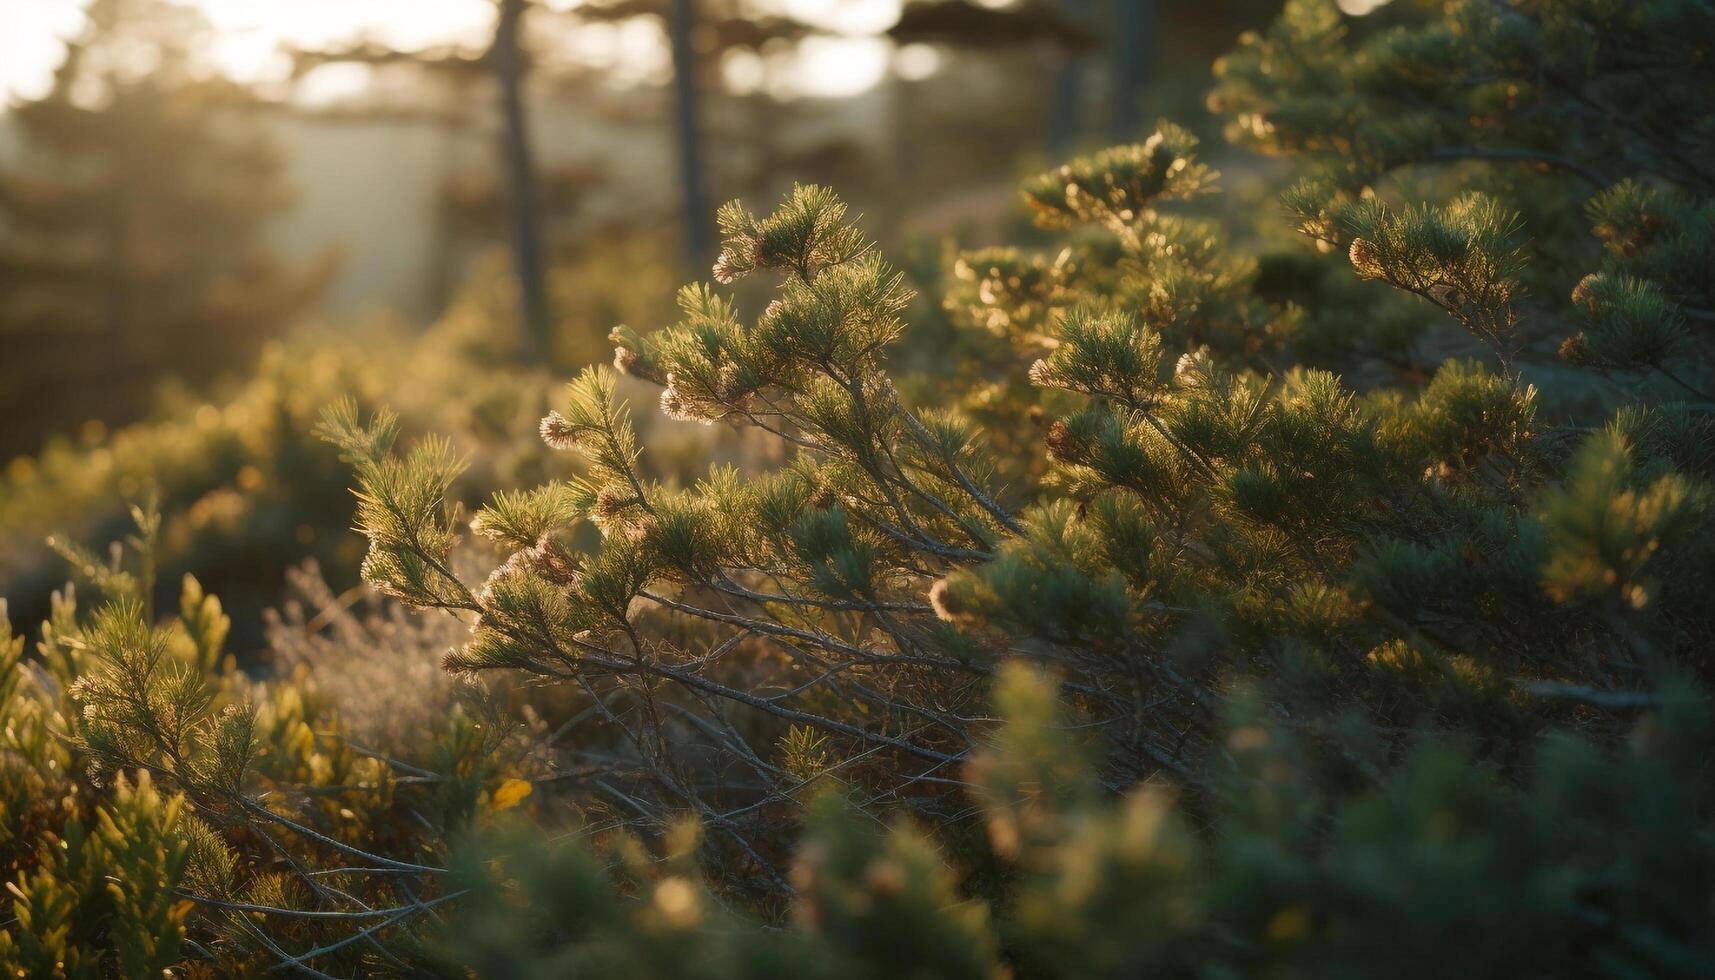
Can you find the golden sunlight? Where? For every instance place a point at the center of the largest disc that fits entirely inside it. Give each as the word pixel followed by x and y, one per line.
pixel 250 37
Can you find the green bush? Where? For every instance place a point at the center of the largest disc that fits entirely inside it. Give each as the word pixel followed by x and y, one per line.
pixel 157 805
pixel 247 488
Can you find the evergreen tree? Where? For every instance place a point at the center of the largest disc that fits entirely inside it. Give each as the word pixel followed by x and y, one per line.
pixel 131 231
pixel 1548 110
pixel 1208 515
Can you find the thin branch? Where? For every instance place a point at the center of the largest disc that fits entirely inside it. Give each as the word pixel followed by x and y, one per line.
pixel 1595 177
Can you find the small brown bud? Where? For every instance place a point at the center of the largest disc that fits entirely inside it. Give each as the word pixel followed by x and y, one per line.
pixel 1061 443
pixel 1584 294
pixel 677 407
pixel 731 266
pixel 725 270
pixel 625 360
pixel 549 561
pixel 610 502
pixel 1366 258
pixel 1446 295
pixel 942 601
pixel 885 877
pixel 558 432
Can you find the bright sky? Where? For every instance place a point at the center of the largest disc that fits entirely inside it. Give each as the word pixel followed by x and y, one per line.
pixel 250 33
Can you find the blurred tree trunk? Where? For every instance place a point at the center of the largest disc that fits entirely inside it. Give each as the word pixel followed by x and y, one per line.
pixel 693 179
pixel 118 254
pixel 1134 51
pixel 1067 101
pixel 443 253
pixel 521 181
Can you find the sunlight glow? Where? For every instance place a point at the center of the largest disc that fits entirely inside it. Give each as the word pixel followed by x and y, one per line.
pixel 250 35
pixel 846 16
pixel 915 62
pixel 328 84
pixel 835 67
pixel 30 46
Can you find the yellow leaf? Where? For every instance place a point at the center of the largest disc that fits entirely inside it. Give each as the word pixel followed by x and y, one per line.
pixel 510 793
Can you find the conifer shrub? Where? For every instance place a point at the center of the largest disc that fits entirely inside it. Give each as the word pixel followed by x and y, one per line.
pixel 1168 648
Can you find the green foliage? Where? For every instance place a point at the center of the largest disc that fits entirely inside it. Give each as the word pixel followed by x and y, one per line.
pixel 1462 257
pixel 1603 532
pixel 1539 104
pixel 1118 186
pixel 246 487
pixel 1598 866
pixel 1159 648
pixel 99 901
pixel 1629 324
pixel 150 789
pixel 1374 603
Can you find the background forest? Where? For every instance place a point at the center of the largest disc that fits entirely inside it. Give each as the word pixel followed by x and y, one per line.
pixel 1124 487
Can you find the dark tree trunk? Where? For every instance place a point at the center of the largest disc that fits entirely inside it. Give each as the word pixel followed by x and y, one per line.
pixel 1133 57
pixel 692 177
pixel 118 273
pixel 443 251
pixel 1063 107
pixel 521 181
